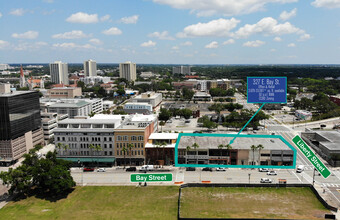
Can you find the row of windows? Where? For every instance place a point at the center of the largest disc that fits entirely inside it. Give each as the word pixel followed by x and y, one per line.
pixel 136 145
pixel 133 138
pixel 84 139
pixel 133 152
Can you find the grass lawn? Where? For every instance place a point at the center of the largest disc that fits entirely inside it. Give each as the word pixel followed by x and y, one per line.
pixel 100 202
pixel 218 202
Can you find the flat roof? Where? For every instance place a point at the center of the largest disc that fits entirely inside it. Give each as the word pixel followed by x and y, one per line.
pixel 244 143
pixel 333 138
pixel 163 136
pixel 69 105
pixel 14 93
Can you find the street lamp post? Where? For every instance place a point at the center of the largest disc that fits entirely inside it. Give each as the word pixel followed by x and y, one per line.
pixel 249 177
pixel 313 176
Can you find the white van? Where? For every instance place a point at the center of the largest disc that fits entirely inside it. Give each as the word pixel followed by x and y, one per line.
pixel 147 168
pixel 300 168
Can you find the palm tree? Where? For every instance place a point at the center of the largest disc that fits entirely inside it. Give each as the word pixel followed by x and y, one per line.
pixel 59 146
pixel 97 148
pixel 129 147
pixel 260 147
pixel 228 147
pixel 188 148
pixel 163 144
pixel 65 148
pixel 124 149
pixel 196 146
pixel 253 148
pixel 92 147
pixel 221 146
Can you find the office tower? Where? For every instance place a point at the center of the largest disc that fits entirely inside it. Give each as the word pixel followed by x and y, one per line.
pixel 59 73
pixel 20 122
pixel 186 70
pixel 127 71
pixel 90 68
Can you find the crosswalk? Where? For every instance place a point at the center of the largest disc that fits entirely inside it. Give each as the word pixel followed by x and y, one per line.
pixel 330 185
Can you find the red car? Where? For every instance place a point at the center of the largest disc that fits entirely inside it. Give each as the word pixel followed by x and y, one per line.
pixel 88 169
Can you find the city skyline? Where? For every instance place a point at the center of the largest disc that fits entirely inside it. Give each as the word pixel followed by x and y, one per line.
pixel 171 32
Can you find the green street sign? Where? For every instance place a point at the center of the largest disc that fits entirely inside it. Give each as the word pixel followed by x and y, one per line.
pixel 311 156
pixel 164 177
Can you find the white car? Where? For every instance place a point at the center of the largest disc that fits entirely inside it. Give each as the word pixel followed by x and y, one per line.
pixel 263 170
pixel 220 169
pixel 272 173
pixel 266 180
pixel 101 170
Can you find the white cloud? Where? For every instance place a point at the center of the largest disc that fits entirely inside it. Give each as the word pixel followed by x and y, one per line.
pixel 230 41
pixel 268 26
pixel 215 28
pixel 29 46
pixel 304 37
pixel 256 43
pixel 0 15
pixel 3 44
pixel 26 35
pixel 148 44
pixel 221 7
pixel 18 12
pixel 161 35
pixel 277 39
pixel 288 15
pixel 187 43
pixel 71 35
pixel 95 41
pixel 105 18
pixel 326 4
pixel 130 20
pixel 175 48
pixel 291 45
pixel 83 18
pixel 112 31
pixel 73 46
pixel 48 1
pixel 212 45
pixel 272 50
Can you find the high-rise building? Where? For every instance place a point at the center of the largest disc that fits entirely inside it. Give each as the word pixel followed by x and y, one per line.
pixel 20 122
pixel 90 68
pixel 59 73
pixel 127 71
pixel 186 70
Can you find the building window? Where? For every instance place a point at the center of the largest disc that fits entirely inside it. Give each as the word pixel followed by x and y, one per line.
pixel 104 138
pixel 110 145
pixel 133 138
pixel 140 138
pixel 117 152
pixel 125 138
pixel 105 153
pixel 119 138
pixel 104 145
pixel 110 139
pixel 110 153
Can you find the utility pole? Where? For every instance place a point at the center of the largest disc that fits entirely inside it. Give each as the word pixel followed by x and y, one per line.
pixel 313 176
pixel 249 177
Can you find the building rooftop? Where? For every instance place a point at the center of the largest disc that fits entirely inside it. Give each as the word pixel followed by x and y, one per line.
pixel 211 142
pixel 69 104
pixel 15 93
pixel 333 138
pixel 163 136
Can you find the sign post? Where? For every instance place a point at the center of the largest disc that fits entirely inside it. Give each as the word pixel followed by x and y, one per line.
pixel 164 177
pixel 311 156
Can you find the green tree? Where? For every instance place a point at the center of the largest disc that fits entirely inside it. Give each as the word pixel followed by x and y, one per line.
pixel 164 114
pixel 196 146
pixel 253 148
pixel 129 147
pixel 124 151
pixel 220 147
pixel 260 147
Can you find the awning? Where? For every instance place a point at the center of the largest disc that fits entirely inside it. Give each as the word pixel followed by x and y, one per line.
pixel 89 159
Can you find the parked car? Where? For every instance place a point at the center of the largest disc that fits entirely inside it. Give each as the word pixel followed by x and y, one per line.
pixel 169 121
pixel 88 169
pixel 145 168
pixel 101 170
pixel 271 173
pixel 131 169
pixel 221 169
pixel 300 168
pixel 263 169
pixel 207 169
pixel 190 169
pixel 266 180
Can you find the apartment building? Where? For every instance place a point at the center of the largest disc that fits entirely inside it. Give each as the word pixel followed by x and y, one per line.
pixel 64 92
pixel 151 98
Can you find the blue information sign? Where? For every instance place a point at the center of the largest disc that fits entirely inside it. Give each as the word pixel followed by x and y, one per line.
pixel 267 89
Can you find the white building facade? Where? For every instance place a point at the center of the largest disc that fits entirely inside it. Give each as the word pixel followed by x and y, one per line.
pixel 138 105
pixel 59 73
pixel 90 68
pixel 127 71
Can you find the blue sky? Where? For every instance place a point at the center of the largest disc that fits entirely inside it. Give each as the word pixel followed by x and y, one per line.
pixel 171 31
